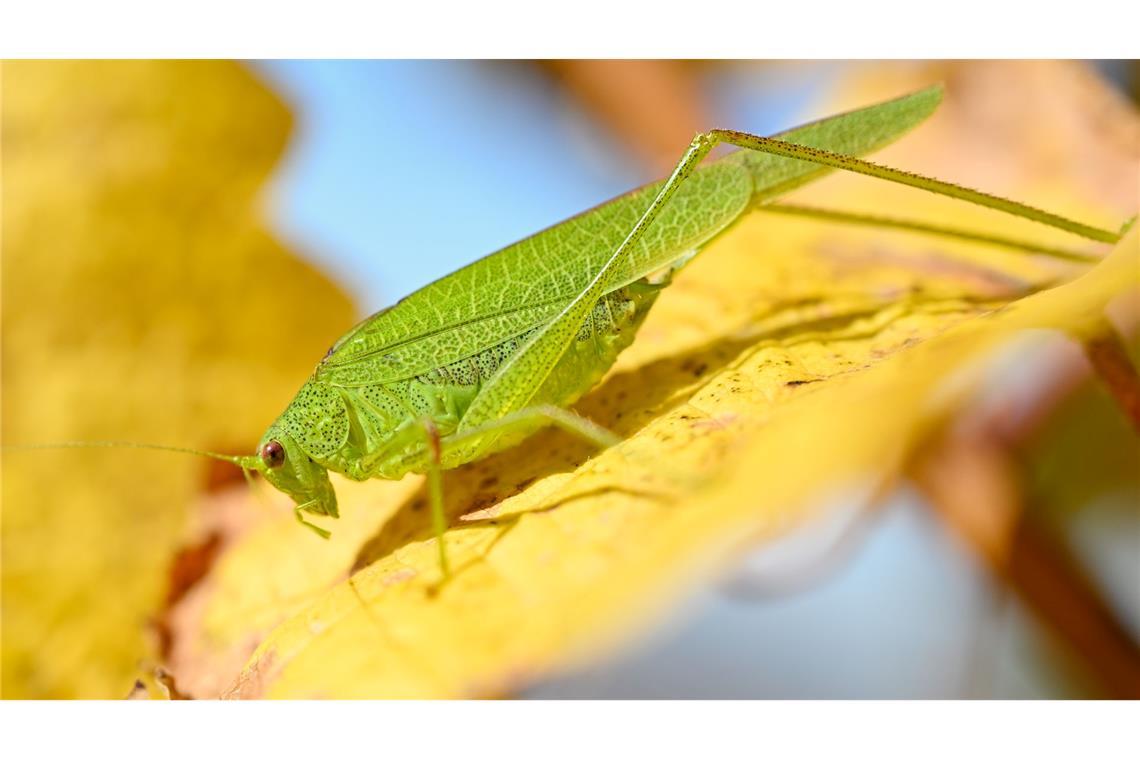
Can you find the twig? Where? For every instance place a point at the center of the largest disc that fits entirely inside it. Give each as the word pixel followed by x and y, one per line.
pixel 1109 358
pixel 976 485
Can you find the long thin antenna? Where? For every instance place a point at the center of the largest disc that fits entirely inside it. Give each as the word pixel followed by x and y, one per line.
pixel 250 462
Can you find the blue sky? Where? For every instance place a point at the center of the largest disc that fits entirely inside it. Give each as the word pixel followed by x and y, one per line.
pixel 401 171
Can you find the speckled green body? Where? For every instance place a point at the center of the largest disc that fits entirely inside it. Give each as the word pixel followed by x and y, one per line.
pixel 383 417
pixel 537 311
pixel 456 343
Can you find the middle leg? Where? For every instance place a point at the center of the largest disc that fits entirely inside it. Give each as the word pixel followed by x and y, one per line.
pixel 524 419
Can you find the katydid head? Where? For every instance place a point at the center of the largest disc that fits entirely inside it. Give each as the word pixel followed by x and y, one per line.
pixel 290 470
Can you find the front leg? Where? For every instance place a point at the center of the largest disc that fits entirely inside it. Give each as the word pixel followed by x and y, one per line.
pixel 299 513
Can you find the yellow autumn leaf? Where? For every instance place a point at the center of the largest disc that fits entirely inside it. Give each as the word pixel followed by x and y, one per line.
pixel 139 283
pixel 547 576
pixel 791 362
pixel 137 280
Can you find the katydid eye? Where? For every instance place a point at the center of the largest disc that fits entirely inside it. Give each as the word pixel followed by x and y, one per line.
pixel 273 454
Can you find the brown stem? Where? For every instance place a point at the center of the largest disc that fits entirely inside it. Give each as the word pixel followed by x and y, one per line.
pixel 975 484
pixel 1109 358
pixel 1049 578
pixel 655 107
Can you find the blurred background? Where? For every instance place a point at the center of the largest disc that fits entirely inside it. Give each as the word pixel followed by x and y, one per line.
pixel 395 173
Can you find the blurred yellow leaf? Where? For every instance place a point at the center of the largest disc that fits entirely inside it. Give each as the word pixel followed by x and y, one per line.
pixel 143 300
pixel 791 363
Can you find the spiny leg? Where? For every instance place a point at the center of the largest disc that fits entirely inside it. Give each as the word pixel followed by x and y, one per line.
pixel 927 228
pixel 706 141
pixel 524 419
pixel 572 423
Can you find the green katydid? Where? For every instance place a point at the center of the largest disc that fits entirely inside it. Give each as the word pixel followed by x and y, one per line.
pixel 480 359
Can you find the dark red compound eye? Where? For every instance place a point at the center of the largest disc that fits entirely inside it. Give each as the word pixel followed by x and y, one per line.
pixel 273 454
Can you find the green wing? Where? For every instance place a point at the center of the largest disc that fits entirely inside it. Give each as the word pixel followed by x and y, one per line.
pixel 523 285
pixel 519 287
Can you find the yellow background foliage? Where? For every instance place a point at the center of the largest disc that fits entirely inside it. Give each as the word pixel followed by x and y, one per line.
pixel 144 300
